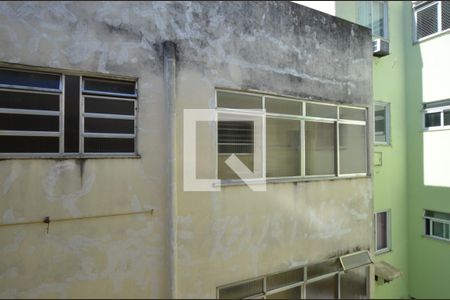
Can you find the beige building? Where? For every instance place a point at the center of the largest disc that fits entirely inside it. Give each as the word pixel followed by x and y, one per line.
pixel 93 198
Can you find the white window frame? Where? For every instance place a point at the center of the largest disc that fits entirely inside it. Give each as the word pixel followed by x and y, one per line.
pixel 61 133
pixel 430 229
pixel 421 6
pixel 388 232
pixel 440 110
pixel 301 118
pixel 387 120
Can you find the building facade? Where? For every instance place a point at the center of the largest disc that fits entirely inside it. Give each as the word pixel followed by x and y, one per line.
pixel 411 101
pixel 93 103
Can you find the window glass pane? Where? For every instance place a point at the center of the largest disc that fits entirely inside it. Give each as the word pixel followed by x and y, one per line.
pixel 225 172
pixel 382 230
pixel 29 122
pixel 446 117
pixel 99 145
pixel 29 79
pixel 437 215
pixel 286 278
pixel 109 86
pixel 108 125
pixel 294 293
pixel 283 147
pixel 72 114
pixel 320 148
pixel 427 21
pixel 238 101
pixel 354 284
pixel 242 290
pixel 433 119
pixel 438 229
pixel 322 111
pixel 364 13
pixel 378 18
pixel 108 106
pixel 427 226
pixel 323 268
pixel 352 149
pixel 29 144
pixel 323 289
pixel 352 114
pixel 445 15
pixel 279 106
pixel 24 100
pixel 380 123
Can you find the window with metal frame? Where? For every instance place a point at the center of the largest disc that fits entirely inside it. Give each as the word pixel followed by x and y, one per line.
pixel 52 114
pixel 329 279
pixel 302 138
pixel 382 232
pixel 382 119
pixel 436 115
pixel 437 225
pixel 374 15
pixel 431 18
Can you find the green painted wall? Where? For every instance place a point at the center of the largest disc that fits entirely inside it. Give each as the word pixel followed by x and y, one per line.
pixel 390 177
pixel 428 63
pixel 414 73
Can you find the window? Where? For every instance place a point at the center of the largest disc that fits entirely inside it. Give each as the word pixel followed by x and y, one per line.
pixel 54 114
pixel 382 231
pixel 301 138
pixel 437 225
pixel 374 15
pixel 437 115
pixel 382 123
pixel 324 280
pixel 431 18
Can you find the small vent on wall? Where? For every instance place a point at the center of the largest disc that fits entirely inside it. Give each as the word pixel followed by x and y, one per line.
pixel 380 47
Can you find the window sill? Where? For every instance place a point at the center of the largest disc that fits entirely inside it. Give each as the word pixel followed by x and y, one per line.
pixel 238 182
pixel 61 157
pixel 383 251
pixel 435 238
pixel 436 128
pixel 430 37
pixel 382 144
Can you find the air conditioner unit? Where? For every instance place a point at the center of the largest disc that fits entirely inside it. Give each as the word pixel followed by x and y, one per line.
pixel 380 47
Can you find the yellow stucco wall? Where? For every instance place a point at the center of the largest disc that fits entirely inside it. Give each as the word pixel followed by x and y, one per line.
pixel 112 237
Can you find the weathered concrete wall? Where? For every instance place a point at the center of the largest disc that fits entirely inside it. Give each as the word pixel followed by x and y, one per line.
pixel 280 48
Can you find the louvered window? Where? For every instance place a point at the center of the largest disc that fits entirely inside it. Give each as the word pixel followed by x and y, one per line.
pixel 54 114
pixel 431 18
pixel 235 137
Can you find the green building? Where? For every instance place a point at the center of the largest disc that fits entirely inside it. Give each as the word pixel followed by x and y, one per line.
pixel 412 140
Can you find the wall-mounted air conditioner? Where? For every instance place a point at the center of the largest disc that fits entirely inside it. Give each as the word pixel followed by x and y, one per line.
pixel 380 47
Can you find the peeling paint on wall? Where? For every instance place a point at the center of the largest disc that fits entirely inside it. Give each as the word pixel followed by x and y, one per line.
pixel 277 47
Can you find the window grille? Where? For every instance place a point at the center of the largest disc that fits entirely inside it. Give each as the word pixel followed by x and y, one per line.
pixel 54 114
pixel 431 18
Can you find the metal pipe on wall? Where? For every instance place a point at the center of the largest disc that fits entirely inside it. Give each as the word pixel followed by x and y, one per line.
pixel 169 59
